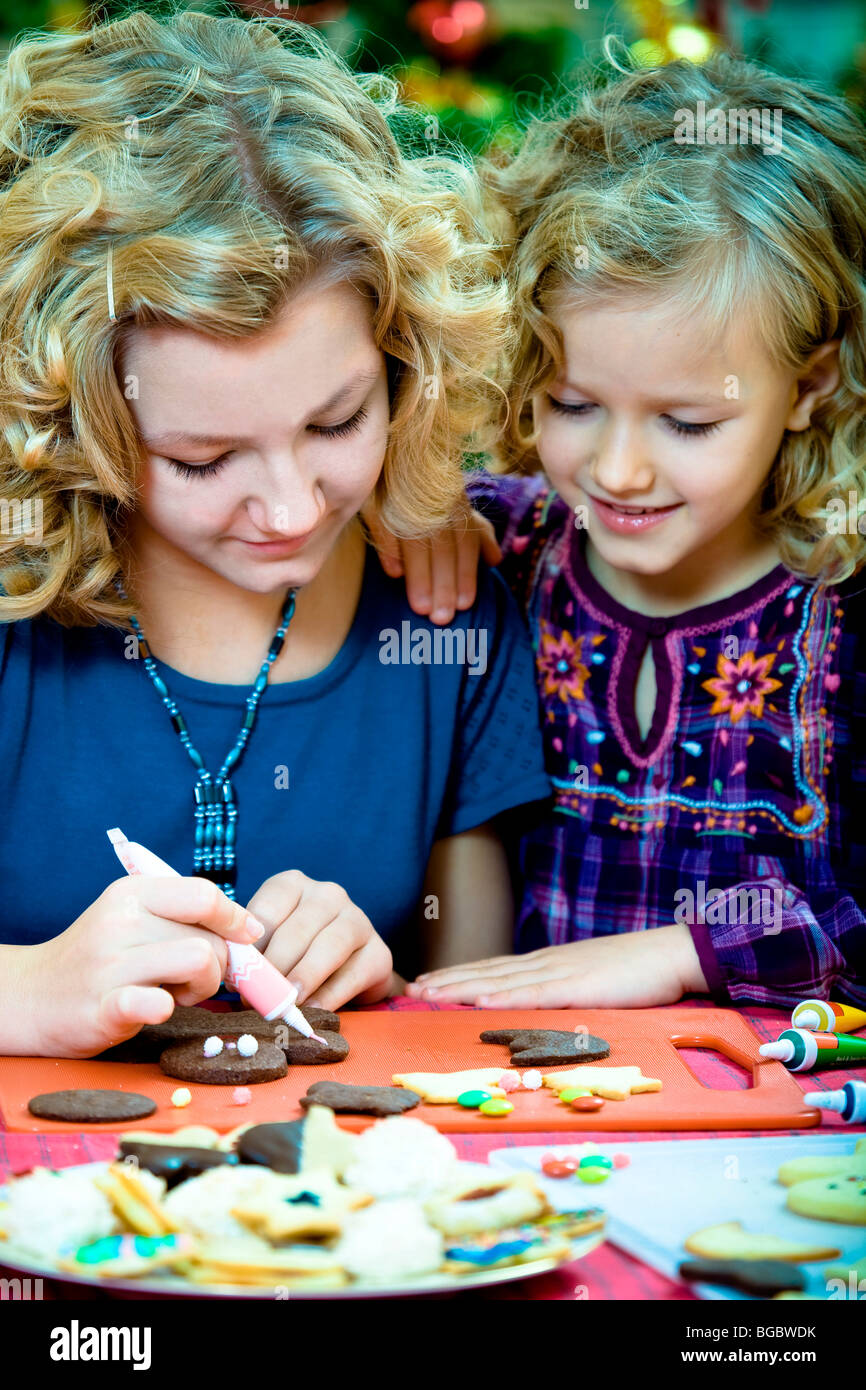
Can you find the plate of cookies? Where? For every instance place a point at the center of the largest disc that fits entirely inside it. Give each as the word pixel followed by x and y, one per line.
pixel 292 1209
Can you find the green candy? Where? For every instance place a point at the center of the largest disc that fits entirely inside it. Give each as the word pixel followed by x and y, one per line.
pixel 593 1174
pixel 473 1099
pixel 495 1106
pixel 596 1161
pixel 571 1093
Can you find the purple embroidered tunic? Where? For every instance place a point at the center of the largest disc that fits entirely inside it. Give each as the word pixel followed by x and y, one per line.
pixel 742 812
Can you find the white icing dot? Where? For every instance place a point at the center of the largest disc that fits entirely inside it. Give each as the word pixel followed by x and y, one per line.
pixel 213 1047
pixel 248 1046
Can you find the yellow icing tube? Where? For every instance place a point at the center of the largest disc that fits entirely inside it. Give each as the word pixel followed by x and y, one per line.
pixel 822 1017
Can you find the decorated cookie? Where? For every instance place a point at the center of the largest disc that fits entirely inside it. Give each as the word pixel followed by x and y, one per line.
pixel 495 1249
pixel 445 1088
pixel 545 1047
pixel 728 1241
pixel 137 1197
pixel 297 1146
pixel 613 1083
pixel 189 1061
pixel 190 1136
pixel 824 1165
pixel 45 1210
pixel 250 1260
pixel 465 1209
pixel 306 1207
pixel 360 1100
pixel 204 1205
pixel 91 1107
pixel 306 1052
pixel 174 1162
pixel 841 1198
pixel 763 1278
pixel 190 1022
pixel 125 1256
pixel 390 1241
pixel 401 1157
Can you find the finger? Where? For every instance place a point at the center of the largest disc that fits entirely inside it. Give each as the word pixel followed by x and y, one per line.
pixel 481 986
pixel 490 547
pixel 386 545
pixel 125 1009
pixel 331 948
pixel 195 963
pixel 564 992
pixel 198 902
pixel 362 972
pixel 458 974
pixel 443 574
pixel 468 546
pixel 277 899
pixel 419 583
pixel 294 937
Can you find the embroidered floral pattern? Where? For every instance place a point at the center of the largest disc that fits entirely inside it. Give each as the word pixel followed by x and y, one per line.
pixel 740 686
pixel 560 667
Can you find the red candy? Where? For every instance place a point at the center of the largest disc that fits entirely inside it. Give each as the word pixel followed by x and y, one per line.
pixel 587 1103
pixel 621 1160
pixel 554 1167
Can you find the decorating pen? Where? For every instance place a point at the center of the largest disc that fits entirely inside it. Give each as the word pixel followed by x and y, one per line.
pixel 264 987
pixel 828 1018
pixel 849 1102
pixel 802 1050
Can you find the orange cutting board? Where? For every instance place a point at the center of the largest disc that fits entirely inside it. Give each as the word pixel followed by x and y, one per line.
pixel 382 1044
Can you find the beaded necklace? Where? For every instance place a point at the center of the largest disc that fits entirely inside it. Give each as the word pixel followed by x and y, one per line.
pixel 216 813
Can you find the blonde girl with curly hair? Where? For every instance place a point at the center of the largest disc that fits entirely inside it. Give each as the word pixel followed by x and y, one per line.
pixel 232 315
pixel 691 379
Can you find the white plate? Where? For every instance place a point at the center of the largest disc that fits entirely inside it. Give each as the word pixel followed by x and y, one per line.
pixel 173 1286
pixel 676 1187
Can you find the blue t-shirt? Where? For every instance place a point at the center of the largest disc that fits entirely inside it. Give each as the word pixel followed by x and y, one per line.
pixel 383 755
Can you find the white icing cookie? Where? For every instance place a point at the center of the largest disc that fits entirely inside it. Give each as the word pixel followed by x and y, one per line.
pixel 490 1206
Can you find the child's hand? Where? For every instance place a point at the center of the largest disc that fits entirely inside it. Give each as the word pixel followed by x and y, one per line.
pixel 321 941
pixel 441 573
pixel 632 971
pixel 99 981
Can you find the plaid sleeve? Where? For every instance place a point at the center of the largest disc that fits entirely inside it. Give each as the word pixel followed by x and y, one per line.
pixel 763 942
pixel 525 512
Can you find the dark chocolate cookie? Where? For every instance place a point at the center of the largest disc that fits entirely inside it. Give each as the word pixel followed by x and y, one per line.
pixel 361 1100
pixel 276 1146
pixel 175 1162
pixel 539 1047
pixel 187 1062
pixel 763 1278
pixel 307 1051
pixel 91 1107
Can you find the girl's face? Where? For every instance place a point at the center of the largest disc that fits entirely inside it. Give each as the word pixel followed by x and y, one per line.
pixel 258 452
pixel 665 435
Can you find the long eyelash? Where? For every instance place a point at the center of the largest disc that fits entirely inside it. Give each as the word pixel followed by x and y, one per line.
pixel 564 409
pixel 685 427
pixel 347 427
pixel 199 470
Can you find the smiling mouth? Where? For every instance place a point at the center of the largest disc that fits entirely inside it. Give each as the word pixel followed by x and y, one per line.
pixel 635 511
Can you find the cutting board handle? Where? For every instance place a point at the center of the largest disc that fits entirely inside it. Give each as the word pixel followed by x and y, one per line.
pixel 727 1049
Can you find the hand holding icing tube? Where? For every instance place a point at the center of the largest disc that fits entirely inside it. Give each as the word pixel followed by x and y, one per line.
pixel 249 972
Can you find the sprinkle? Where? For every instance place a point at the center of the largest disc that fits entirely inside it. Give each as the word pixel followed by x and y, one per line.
pixel 212 1047
pixel 509 1081
pixel 181 1097
pixel 241 1095
pixel 248 1046
pixel 532 1080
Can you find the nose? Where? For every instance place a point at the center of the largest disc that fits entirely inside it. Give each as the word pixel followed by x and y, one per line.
pixel 285 503
pixel 621 465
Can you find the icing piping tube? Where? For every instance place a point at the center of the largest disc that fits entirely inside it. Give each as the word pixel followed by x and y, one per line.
pixel 849 1102
pixel 264 987
pixel 802 1050
pixel 828 1018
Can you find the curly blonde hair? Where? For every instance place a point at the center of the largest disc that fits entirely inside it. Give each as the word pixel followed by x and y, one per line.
pixel 600 200
pixel 223 162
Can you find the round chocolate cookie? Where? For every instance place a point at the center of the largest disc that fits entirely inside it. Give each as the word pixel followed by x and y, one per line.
pixel 361 1100
pixel 188 1062
pixel 302 1051
pixel 276 1146
pixel 91 1107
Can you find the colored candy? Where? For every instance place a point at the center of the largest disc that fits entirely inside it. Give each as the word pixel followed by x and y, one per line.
pixel 181 1097
pixel 593 1174
pixel 571 1093
pixel 472 1100
pixel 495 1106
pixel 554 1167
pixel 621 1160
pixel 596 1161
pixel 241 1095
pixel 589 1102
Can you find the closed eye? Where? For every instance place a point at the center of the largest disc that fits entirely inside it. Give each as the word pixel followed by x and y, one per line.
pixel 199 470
pixel 566 408
pixel 347 427
pixel 687 427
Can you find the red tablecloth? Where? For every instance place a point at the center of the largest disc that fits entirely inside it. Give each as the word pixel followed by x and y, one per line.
pixel 608 1273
